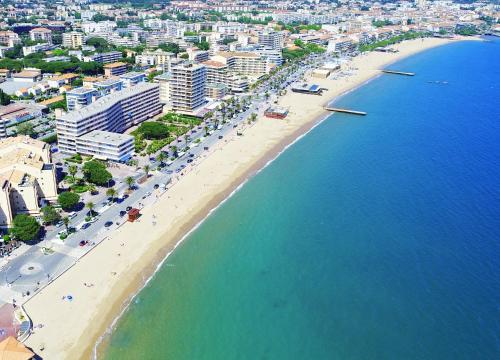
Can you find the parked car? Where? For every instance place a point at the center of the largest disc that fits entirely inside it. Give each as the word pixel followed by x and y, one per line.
pixel 108 223
pixel 83 242
pixel 128 208
pixel 85 226
pixel 156 186
pixel 123 213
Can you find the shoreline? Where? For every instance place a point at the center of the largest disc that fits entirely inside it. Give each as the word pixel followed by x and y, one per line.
pixel 238 160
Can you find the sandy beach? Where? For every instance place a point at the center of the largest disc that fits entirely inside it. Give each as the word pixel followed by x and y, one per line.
pixel 120 265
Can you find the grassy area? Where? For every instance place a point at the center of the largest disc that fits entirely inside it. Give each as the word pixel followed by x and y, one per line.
pixel 151 139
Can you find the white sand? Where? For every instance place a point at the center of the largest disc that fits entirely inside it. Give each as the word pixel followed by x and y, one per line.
pixel 72 328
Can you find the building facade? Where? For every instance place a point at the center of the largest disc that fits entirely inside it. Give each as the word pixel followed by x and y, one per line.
pixel 72 40
pixel 27 177
pixel 187 87
pixel 114 113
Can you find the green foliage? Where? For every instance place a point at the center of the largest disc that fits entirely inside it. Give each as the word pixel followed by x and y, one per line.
pixel 102 17
pixel 304 50
pixel 153 130
pixel 95 172
pixel 184 56
pixel 68 200
pixel 190 33
pixel 99 43
pixel 90 68
pixel 25 128
pixel 393 40
pixel 466 30
pixel 25 228
pixel 51 139
pixel 202 45
pixel 228 40
pixel 4 98
pixel 381 23
pixel 50 215
pixel 170 47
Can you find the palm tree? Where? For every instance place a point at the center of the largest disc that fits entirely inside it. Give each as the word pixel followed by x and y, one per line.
pixel 146 169
pixel 174 150
pixel 161 157
pixel 90 205
pixel 186 137
pixel 111 192
pixel 253 117
pixel 73 169
pixel 65 221
pixel 92 188
pixel 130 182
pixel 206 130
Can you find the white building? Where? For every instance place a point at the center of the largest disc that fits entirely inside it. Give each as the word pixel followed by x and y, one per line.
pixel 106 145
pixel 72 40
pixel 187 87
pixel 115 113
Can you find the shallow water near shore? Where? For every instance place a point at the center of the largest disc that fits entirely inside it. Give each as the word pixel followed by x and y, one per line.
pixel 372 237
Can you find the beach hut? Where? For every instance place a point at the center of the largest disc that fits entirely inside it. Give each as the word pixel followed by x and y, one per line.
pixel 133 214
pixel 11 349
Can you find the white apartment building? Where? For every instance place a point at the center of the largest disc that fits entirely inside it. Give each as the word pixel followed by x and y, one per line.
pixel 157 57
pixel 27 177
pixel 104 58
pixel 98 27
pixel 187 87
pixel 271 40
pixel 132 78
pixel 164 81
pixel 9 38
pixel 244 63
pixel 80 97
pixel 72 40
pixel 114 113
pixel 41 34
pixel 106 145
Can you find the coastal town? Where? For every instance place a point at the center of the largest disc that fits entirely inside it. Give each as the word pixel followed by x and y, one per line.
pixel 130 121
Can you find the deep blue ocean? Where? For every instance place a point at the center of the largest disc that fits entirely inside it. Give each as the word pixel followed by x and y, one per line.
pixel 372 237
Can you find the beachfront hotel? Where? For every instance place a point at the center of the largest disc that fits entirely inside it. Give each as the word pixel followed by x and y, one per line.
pixel 244 63
pixel 187 87
pixel 27 177
pixel 114 113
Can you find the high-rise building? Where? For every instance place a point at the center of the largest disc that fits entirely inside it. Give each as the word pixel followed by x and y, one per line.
pixel 114 113
pixel 187 87
pixel 72 39
pixel 271 40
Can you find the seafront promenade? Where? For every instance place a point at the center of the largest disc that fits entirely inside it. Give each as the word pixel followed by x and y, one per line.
pixel 129 254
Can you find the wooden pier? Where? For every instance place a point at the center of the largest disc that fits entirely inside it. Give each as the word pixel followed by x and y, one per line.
pixel 346 111
pixel 398 72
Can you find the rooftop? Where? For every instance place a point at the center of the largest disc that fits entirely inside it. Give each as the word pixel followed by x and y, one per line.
pixel 105 137
pixel 105 102
pixel 114 65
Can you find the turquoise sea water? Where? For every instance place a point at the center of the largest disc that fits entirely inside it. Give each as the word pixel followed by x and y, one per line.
pixel 370 238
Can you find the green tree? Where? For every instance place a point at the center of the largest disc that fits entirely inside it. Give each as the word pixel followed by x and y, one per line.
pixel 90 205
pixel 50 215
pixel 73 169
pixel 147 168
pixel 95 172
pixel 161 157
pixel 25 227
pixel 4 98
pixel 111 192
pixel 170 47
pixel 130 181
pixel 25 128
pixel 153 130
pixel 68 200
pixel 66 221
